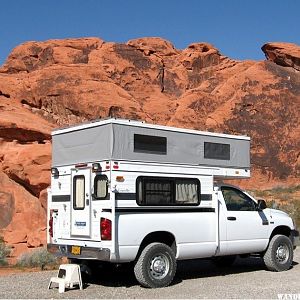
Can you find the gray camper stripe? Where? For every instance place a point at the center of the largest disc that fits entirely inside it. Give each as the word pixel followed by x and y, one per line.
pixel 206 197
pixel 132 196
pixel 125 196
pixel 61 198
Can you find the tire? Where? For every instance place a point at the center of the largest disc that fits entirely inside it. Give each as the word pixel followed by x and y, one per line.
pixel 279 255
pixel 224 261
pixel 156 266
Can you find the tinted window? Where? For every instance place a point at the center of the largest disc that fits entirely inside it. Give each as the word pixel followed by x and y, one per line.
pixel 78 192
pixel 236 200
pixel 100 187
pixel 167 191
pixel 216 151
pixel 150 144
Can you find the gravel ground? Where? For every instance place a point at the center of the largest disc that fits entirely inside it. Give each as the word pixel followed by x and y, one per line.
pixel 246 279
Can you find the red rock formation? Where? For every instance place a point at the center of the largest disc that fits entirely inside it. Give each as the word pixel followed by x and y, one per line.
pixel 60 82
pixel 283 54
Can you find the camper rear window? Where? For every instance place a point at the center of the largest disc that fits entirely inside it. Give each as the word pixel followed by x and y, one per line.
pixel 100 187
pixel 216 151
pixel 150 144
pixel 161 191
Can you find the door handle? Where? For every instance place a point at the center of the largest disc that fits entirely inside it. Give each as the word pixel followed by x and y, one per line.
pixel 231 218
pixel 87 202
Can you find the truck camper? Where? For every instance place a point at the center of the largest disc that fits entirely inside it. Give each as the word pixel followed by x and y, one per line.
pixel 127 191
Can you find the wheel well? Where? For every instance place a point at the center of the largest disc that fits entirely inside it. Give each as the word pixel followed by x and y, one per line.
pixel 164 237
pixel 284 230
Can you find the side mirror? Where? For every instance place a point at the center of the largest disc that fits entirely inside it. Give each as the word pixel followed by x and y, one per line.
pixel 261 204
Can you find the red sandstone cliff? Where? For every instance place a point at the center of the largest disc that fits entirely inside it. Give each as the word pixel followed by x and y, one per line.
pixel 44 85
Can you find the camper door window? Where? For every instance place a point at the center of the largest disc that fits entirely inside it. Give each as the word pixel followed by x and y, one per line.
pixel 78 192
pixel 163 191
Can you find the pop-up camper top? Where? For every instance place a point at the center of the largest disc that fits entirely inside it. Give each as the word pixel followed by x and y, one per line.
pixel 125 140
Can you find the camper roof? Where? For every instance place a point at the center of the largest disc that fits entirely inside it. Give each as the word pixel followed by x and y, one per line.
pixel 142 124
pixel 127 140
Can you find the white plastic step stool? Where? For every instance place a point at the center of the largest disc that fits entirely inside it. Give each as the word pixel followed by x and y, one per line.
pixel 68 276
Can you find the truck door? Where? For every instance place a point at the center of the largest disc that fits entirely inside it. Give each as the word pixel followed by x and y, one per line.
pixel 80 206
pixel 247 229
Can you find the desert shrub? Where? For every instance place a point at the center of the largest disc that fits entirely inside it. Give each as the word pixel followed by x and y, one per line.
pixel 283 189
pixel 4 252
pixel 37 258
pixel 285 198
pixel 258 194
pixel 293 209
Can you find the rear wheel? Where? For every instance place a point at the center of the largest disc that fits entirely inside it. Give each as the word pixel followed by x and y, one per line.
pixel 156 266
pixel 279 255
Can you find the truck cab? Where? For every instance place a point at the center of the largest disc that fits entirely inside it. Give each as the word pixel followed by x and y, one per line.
pixel 247 224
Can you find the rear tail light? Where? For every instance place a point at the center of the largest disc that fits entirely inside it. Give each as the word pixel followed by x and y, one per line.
pixel 53 212
pixel 51 226
pixel 81 165
pixel 105 229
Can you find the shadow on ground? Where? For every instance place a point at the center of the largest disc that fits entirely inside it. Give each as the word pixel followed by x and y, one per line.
pixel 123 275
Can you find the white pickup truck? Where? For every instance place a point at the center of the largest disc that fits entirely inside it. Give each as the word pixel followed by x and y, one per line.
pixel 125 191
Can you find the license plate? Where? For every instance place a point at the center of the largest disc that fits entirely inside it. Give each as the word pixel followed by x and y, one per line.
pixel 75 250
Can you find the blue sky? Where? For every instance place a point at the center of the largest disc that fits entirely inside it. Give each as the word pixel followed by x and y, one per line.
pixel 238 28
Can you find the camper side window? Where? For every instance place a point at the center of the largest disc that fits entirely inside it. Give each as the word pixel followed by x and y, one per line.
pixel 78 192
pixel 217 151
pixel 150 144
pixel 167 191
pixel 100 187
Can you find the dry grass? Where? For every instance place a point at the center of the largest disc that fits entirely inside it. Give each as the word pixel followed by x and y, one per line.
pixel 38 258
pixel 283 198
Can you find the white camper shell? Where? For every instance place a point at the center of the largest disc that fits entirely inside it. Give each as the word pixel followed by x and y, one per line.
pixel 127 191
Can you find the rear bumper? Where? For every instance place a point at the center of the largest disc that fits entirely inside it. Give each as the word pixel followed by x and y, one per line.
pixel 102 254
pixel 295 238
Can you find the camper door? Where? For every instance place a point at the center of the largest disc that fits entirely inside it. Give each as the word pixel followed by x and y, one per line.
pixel 81 202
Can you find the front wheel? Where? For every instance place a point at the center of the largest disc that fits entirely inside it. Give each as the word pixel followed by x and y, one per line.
pixel 279 255
pixel 156 266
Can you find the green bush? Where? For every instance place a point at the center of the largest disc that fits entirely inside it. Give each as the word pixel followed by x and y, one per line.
pixel 37 258
pixel 4 252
